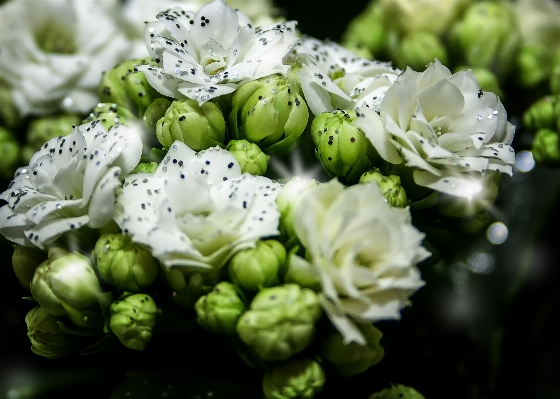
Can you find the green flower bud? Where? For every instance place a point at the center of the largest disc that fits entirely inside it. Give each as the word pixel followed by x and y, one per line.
pixel 220 310
pixel 397 392
pixel 486 79
pixel 198 126
pixel 256 268
pixel 9 112
pixel 542 114
pixel 25 261
pixel 269 112
pixel 45 128
pixel 286 201
pixel 110 114
pixel 293 379
pixel 546 147
pixel 280 322
pixel 555 74
pixel 155 112
pixel 390 187
pixel 133 319
pixel 367 31
pixel 123 264
pixel 46 337
pixel 488 37
pixel 250 157
pixel 66 285
pixel 534 65
pixel 353 358
pixel 9 154
pixel 418 49
pixel 342 148
pixel 145 167
pixel 127 87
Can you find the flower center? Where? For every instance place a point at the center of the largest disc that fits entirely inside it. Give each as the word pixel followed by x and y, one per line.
pixel 54 38
pixel 212 64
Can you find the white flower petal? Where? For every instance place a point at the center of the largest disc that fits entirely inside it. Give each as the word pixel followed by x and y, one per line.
pixel 453 184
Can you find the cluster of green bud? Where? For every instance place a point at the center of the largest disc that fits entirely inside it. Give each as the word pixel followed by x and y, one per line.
pixel 133 319
pixel 256 268
pixel 280 322
pixel 155 111
pixel 555 74
pixel 487 36
pixel 543 114
pixel 198 126
pixel 390 187
pixel 295 378
pixel 486 79
pixel 124 264
pixel 534 64
pixel 66 285
pixel 128 87
pixel 367 31
pixel 110 114
pixel 249 156
pixel 342 148
pixel 47 338
pixel 9 154
pixel 25 261
pixel 418 49
pixel 546 147
pixel 43 129
pixel 397 392
pixel 269 112
pixel 220 310
pixel 346 359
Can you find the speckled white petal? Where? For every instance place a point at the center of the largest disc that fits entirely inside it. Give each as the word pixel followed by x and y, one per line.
pixel 372 126
pixel 218 165
pixel 459 185
pixel 102 202
pixel 48 230
pixel 178 16
pixel 162 82
pixel 206 92
pixel 52 209
pixel 13 225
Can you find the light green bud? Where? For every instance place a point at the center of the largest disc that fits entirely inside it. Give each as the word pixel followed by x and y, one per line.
pixel 154 113
pixel 542 114
pixel 43 129
pixel 110 114
pixel 9 112
pixel 220 310
pixel 280 322
pixel 46 337
pixel 397 392
pixel 250 157
pixel 367 31
pixel 534 65
pixel 66 285
pixel 145 167
pixel 133 319
pixel 269 112
pixel 293 379
pixel 486 79
pixel 390 187
pixel 127 87
pixel 488 37
pixel 123 264
pixel 342 148
pixel 25 261
pixel 418 49
pixel 286 201
pixel 9 154
pixel 256 268
pixel 352 358
pixel 198 126
pixel 546 147
pixel 555 74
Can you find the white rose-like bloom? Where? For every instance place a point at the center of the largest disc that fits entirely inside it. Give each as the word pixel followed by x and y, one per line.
pixel 53 52
pixel 445 126
pixel 197 209
pixel 363 251
pixel 333 77
pixel 211 52
pixel 69 183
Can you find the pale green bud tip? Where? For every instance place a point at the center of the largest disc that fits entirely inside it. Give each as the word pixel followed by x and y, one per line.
pixel 398 392
pixel 256 268
pixel 155 111
pixel 145 167
pixel 546 147
pixel 294 378
pixel 9 154
pixel 25 261
pixel 418 49
pixel 198 126
pixel 46 337
pixel 542 114
pixel 342 148
pixel 281 321
pixel 133 320
pixel 390 187
pixel 123 264
pixel 353 358
pixel 250 157
pixel 220 310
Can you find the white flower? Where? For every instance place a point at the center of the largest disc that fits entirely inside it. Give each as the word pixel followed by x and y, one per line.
pixel 212 52
pixel 333 77
pixel 69 183
pixel 53 52
pixel 445 126
pixel 197 210
pixel 363 251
